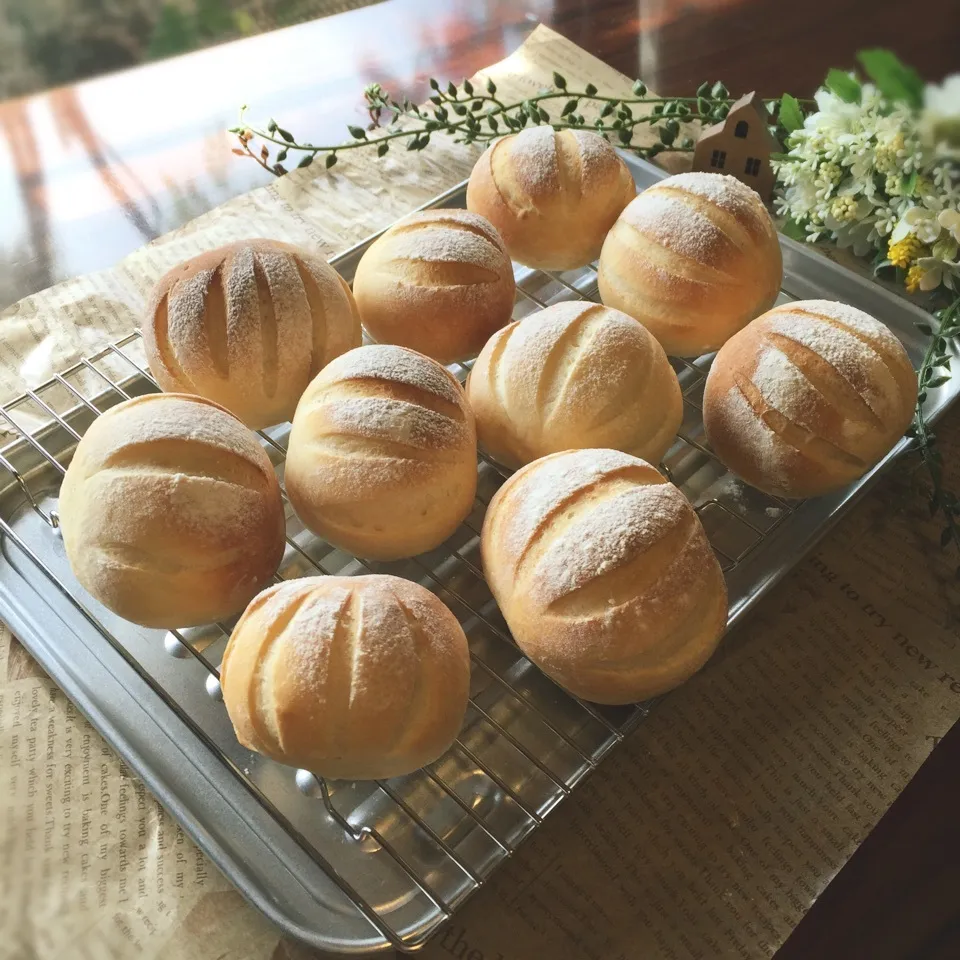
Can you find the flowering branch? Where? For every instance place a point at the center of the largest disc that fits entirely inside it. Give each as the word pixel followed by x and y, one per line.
pixel 934 372
pixel 472 116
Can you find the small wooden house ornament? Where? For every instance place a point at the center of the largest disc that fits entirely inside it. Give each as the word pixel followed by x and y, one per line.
pixel 740 146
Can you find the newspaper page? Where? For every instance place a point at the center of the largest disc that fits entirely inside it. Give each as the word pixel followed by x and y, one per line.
pixel 706 835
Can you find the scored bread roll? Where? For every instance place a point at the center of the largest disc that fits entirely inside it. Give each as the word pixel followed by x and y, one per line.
pixel 170 512
pixel 604 575
pixel 382 455
pixel 694 258
pixel 553 195
pixel 574 375
pixel 439 282
pixel 808 398
pixel 358 678
pixel 248 326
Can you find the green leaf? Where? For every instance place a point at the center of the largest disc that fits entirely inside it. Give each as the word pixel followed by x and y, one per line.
pixel 625 134
pixel 282 155
pixel 441 114
pixel 793 230
pixel 791 116
pixel 590 89
pixel 491 87
pixel 468 88
pixel 272 126
pixel 476 105
pixel 843 85
pixel 358 133
pixel 493 125
pixel 894 79
pixel 286 134
pixel 306 161
pixel 568 107
pixel 639 89
pixel 909 184
pixel 719 91
pixel 382 149
pixel 704 89
pixel 559 80
pixel 452 89
pixel 703 108
pixel 459 109
pixel 330 161
pixel 544 116
pixel 607 110
pixel 938 382
pixel 434 85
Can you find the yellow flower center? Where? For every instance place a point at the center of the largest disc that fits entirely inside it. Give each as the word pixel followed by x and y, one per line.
pixel 844 208
pixel 914 276
pixel 905 251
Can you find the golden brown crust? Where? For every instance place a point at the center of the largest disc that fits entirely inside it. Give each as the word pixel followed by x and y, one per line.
pixel 694 258
pixel 552 195
pixel 439 282
pixel 171 512
pixel 350 677
pixel 248 325
pixel 604 575
pixel 808 397
pixel 382 454
pixel 574 375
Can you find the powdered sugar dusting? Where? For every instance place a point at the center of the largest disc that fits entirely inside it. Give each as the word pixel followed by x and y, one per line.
pixel 548 483
pixel 757 440
pixel 783 385
pixel 607 535
pixel 856 361
pixel 386 362
pixel 383 418
pixel 534 155
pixel 445 244
pixel 457 219
pixel 849 316
pixel 726 192
pixel 170 417
pixel 675 224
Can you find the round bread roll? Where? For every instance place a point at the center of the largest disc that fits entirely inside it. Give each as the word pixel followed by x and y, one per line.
pixel 439 282
pixel 553 195
pixel 694 258
pixel 574 375
pixel 248 326
pixel 382 458
pixel 171 512
pixel 808 398
pixel 604 574
pixel 357 678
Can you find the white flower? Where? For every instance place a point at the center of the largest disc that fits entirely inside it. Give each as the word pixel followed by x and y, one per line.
pixel 937 271
pixel 939 123
pixel 920 220
pixel 950 221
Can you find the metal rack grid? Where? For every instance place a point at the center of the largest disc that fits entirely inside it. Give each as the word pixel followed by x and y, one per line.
pixel 436 835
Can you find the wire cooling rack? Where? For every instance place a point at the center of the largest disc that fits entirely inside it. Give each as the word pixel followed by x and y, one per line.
pixel 348 866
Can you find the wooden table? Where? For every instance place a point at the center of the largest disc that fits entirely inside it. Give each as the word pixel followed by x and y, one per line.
pixel 92 171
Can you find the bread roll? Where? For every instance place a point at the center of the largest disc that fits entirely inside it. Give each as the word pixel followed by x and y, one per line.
pixel 553 195
pixel 808 398
pixel 694 258
pixel 358 678
pixel 383 454
pixel 574 375
pixel 439 282
pixel 170 512
pixel 604 575
pixel 248 326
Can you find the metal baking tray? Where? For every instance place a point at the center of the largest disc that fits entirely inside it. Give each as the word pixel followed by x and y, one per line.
pixel 354 867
